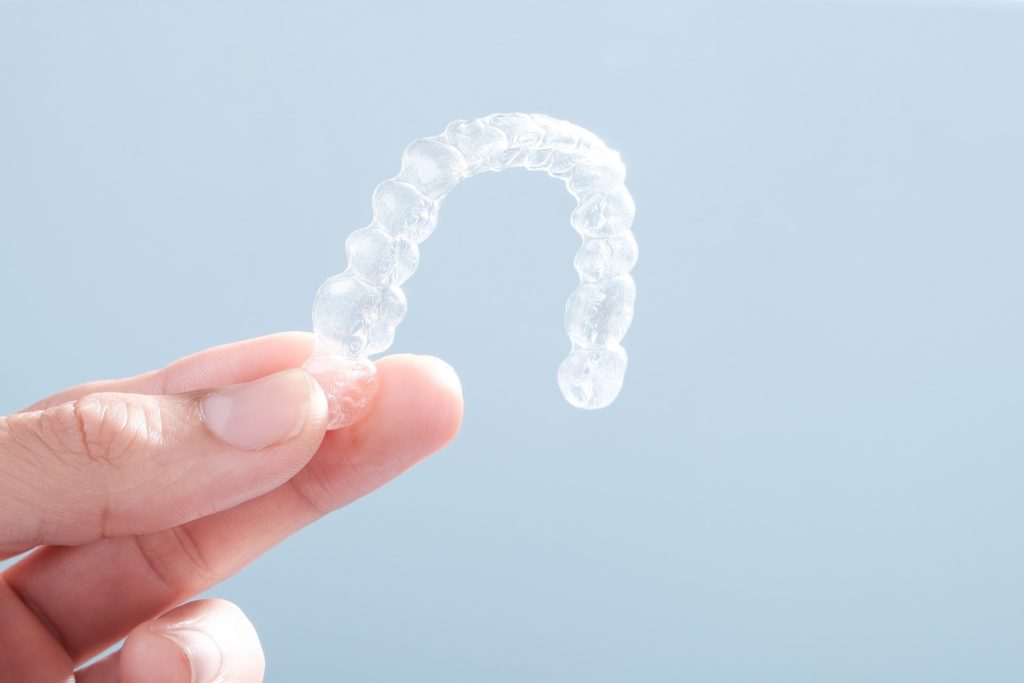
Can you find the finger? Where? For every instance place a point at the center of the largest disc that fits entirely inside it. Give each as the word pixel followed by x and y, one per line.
pixel 111 464
pixel 200 642
pixel 234 363
pixel 92 595
pixel 28 651
pixel 220 365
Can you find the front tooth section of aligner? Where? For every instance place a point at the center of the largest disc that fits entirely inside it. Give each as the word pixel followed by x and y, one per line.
pixel 592 378
pixel 401 210
pixel 602 214
pixel 354 318
pixel 524 136
pixel 379 258
pixel 599 313
pixel 531 141
pixel 348 383
pixel 564 160
pixel 539 159
pixel 339 314
pixel 481 144
pixel 558 134
pixel 601 258
pixel 433 166
pixel 569 134
pixel 522 130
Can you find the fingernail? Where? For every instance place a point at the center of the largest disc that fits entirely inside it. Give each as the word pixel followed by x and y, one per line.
pixel 261 413
pixel 204 655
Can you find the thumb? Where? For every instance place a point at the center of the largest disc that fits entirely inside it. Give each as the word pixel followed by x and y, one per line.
pixel 110 464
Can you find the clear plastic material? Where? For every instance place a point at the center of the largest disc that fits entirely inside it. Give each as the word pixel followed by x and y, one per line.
pixel 356 312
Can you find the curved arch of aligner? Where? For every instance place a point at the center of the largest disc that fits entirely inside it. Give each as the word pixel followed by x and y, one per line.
pixel 356 312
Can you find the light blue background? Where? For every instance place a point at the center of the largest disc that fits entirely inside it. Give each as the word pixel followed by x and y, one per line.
pixel 815 470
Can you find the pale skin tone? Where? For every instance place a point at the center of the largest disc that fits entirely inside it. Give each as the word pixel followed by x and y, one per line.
pixel 135 495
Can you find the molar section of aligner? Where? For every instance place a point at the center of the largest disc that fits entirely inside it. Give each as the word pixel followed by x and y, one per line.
pixel 354 318
pixel 433 166
pixel 379 258
pixel 598 314
pixel 348 383
pixel 592 378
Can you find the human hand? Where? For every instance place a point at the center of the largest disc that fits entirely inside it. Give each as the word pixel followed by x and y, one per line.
pixel 140 493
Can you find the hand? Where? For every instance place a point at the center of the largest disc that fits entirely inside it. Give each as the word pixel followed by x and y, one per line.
pixel 140 493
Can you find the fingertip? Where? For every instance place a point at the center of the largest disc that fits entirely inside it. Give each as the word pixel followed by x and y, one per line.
pixel 200 642
pixel 416 411
pixel 448 390
pixel 443 374
pixel 418 407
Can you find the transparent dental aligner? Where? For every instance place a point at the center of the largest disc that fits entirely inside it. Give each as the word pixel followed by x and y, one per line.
pixel 356 312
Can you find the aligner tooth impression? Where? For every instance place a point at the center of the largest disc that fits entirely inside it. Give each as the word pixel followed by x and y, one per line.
pixel 356 312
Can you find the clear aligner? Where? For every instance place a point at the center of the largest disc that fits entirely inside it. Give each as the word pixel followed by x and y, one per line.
pixel 356 312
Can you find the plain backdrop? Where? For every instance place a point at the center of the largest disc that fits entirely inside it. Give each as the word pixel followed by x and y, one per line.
pixel 815 469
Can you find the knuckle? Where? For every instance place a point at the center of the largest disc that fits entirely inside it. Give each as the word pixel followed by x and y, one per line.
pixel 112 426
pixel 176 559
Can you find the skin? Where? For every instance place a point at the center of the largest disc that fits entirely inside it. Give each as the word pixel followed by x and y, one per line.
pixel 131 503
